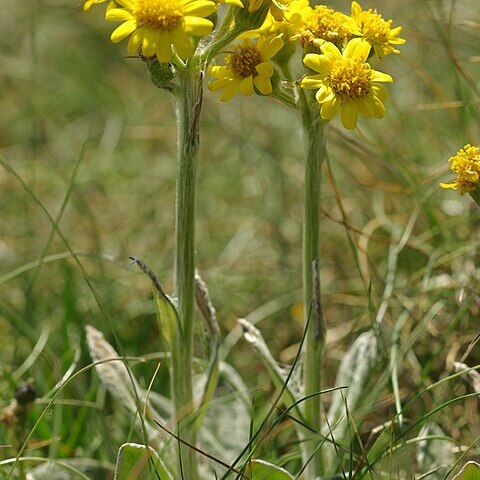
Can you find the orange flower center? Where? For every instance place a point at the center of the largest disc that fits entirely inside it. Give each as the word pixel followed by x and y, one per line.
pixel 351 78
pixel 244 59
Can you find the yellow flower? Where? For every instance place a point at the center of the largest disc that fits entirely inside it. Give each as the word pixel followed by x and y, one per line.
pixel 377 31
pixel 157 25
pixel 466 165
pixel 325 24
pixel 346 82
pixel 247 67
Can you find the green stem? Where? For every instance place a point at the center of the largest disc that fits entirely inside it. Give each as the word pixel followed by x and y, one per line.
pixel 189 102
pixel 313 131
pixel 476 196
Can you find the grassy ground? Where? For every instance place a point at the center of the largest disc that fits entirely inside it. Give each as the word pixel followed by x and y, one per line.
pixel 94 143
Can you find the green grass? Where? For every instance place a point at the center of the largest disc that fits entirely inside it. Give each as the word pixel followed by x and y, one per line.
pixel 94 142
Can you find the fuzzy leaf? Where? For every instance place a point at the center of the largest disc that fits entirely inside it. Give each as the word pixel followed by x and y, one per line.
pixel 67 469
pixel 355 371
pixel 471 471
pixel 434 454
pixel 135 462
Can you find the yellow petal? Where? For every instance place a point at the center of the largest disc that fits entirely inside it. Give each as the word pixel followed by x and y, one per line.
pixel 246 86
pixel 117 15
pixel 197 26
pixel 324 94
pixel 230 92
pixel 200 8
pixel 364 107
pixel 271 47
pixel 378 108
pixel 312 81
pixel 151 40
pixel 217 85
pixel 164 47
pixel 123 31
pixel 453 185
pixel 329 109
pixel 134 43
pixel 130 4
pixel 318 63
pixel 356 10
pixel 264 69
pixel 349 115
pixel 381 77
pixel 331 50
pixel 182 43
pixel 263 84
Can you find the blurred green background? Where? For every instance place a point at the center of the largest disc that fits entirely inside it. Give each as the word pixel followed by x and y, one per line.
pixel 72 99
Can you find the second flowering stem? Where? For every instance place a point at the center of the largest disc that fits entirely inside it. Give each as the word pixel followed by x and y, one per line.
pixel 314 139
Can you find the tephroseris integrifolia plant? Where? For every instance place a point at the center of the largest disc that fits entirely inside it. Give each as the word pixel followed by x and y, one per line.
pixel 247 47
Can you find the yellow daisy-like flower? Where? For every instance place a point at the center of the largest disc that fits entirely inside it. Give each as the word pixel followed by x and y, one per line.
pixel 346 83
pixel 247 67
pixel 377 31
pixel 325 24
pixel 466 165
pixel 157 25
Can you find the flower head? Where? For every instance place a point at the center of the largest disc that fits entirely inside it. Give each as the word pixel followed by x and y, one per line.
pixel 466 165
pixel 247 67
pixel 157 25
pixel 346 83
pixel 325 24
pixel 377 31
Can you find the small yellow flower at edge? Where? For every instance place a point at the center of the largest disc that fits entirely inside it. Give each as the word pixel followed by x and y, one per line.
pixel 346 83
pixel 466 165
pixel 155 26
pixel 247 67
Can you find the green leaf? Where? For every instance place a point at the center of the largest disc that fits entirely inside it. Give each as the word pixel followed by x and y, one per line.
pixel 70 469
pixel 261 470
pixel 136 462
pixel 167 318
pixel 471 471
pixel 434 451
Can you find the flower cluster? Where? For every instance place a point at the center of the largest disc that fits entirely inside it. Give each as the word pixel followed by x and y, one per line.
pixel 466 166
pixel 252 44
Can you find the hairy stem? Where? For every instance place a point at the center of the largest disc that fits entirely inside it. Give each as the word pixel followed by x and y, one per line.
pixel 313 132
pixel 189 102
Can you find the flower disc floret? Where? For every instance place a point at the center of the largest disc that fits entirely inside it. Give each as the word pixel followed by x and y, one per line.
pixel 376 30
pixel 247 68
pixel 351 78
pixel 466 165
pixel 244 59
pixel 155 26
pixel 346 83
pixel 165 15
